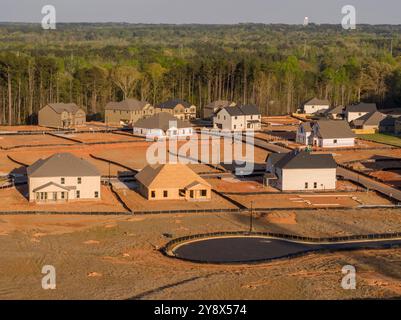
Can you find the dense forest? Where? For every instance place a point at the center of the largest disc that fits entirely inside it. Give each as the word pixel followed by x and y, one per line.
pixel 273 66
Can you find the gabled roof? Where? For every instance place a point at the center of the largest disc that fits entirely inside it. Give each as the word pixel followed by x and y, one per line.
pixel 315 101
pixel 334 129
pixel 245 110
pixel 169 176
pixel 59 186
pixel 219 104
pixel 172 103
pixel 362 107
pixel 305 160
pixel 335 110
pixel 62 165
pixel 370 119
pixel 61 107
pixel 127 105
pixel 161 121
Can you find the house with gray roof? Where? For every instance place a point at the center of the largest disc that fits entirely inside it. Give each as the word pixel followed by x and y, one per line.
pixel 335 113
pixel 63 177
pixel 332 134
pixel 210 110
pixel 375 122
pixel 356 111
pixel 61 116
pixel 179 108
pixel 238 118
pixel 301 171
pixel 162 125
pixel 315 106
pixel 127 112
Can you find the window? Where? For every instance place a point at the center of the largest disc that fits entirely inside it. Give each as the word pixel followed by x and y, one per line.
pixel 203 193
pixel 62 181
pixel 315 185
pixel 153 194
pixel 306 185
pixel 335 141
pixel 165 193
pixel 62 195
pixel 78 194
pixel 191 193
pixel 182 192
pixel 235 126
pixel 235 117
pixel 79 180
pixel 224 117
pixel 96 194
pixel 251 117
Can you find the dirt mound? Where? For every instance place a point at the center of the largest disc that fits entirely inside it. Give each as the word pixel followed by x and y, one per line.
pixel 281 217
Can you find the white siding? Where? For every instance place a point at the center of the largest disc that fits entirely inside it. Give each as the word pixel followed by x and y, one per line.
pixel 311 109
pixel 295 179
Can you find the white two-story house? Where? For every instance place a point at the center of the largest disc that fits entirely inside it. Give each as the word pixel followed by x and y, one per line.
pixel 238 118
pixel 63 177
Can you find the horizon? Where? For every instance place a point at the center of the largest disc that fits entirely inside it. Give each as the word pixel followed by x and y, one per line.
pixel 209 12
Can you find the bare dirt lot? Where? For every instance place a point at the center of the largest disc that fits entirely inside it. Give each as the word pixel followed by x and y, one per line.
pixel 31 140
pixel 102 137
pixel 114 257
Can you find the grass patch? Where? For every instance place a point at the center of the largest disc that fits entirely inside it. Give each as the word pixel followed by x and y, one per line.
pixel 382 138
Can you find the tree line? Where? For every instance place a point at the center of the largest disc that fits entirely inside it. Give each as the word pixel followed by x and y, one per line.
pixel 276 67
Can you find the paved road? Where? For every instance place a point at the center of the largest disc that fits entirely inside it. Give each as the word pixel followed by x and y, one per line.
pixel 370 183
pixel 253 249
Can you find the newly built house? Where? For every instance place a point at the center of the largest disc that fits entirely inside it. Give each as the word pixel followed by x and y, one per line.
pixel 238 118
pixel 63 177
pixel 332 134
pixel 210 110
pixel 356 111
pixel 172 182
pixel 127 112
pixel 374 122
pixel 304 133
pixel 315 106
pixel 61 115
pixel 180 109
pixel 301 171
pixel 335 113
pixel 162 125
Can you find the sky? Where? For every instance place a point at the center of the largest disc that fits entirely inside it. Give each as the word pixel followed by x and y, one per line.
pixel 202 11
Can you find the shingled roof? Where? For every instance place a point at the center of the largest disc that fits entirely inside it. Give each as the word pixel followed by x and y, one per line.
pixel 319 102
pixel 62 165
pixel 169 176
pixel 305 160
pixel 362 107
pixel 127 105
pixel 161 121
pixel 334 129
pixel 245 110
pixel 370 119
pixel 220 104
pixel 61 107
pixel 172 103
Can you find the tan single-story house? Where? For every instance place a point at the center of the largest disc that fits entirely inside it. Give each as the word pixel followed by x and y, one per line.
pixel 332 134
pixel 315 106
pixel 61 115
pixel 63 177
pixel 301 171
pixel 210 110
pixel 162 125
pixel 375 122
pixel 172 182
pixel 238 118
pixel 356 111
pixel 127 112
pixel 180 109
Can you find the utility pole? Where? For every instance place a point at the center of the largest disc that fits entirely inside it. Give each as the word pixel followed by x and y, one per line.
pixel 251 218
pixel 109 174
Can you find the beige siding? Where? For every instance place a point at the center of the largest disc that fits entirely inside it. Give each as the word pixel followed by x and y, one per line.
pixel 295 179
pixel 47 117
